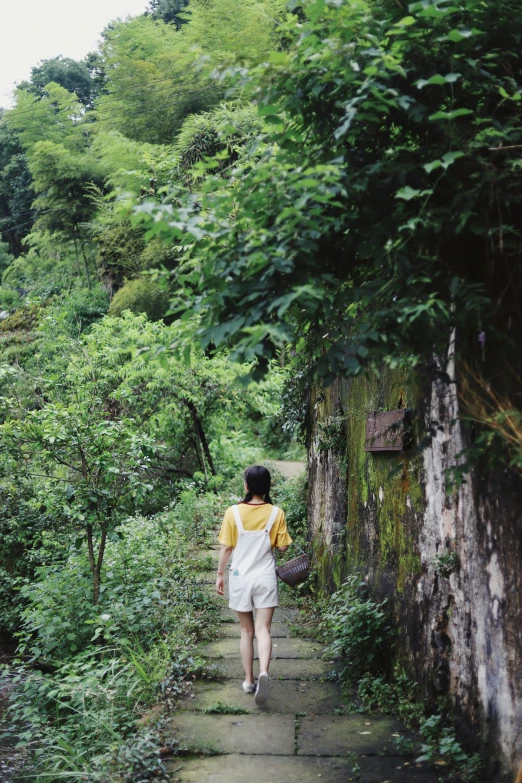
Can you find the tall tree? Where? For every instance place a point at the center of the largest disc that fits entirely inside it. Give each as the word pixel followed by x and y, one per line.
pixel 152 81
pixel 170 11
pixel 16 190
pixel 235 30
pixel 73 75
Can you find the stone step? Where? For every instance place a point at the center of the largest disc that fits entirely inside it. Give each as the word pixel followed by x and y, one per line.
pixel 252 734
pixel 295 769
pixel 229 614
pixel 275 734
pixel 286 697
pixel 280 668
pixel 286 615
pixel 334 735
pixel 281 648
pixel 231 631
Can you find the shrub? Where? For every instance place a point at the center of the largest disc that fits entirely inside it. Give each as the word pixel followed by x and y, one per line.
pixel 440 746
pixel 225 130
pixel 5 257
pixel 398 696
pixel 196 514
pixel 140 296
pixel 291 496
pixel 356 628
pixel 146 589
pixel 9 299
pixel 82 307
pixel 22 320
pixel 111 663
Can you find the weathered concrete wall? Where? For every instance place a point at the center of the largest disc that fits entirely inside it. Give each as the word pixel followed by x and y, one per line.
pixel 390 515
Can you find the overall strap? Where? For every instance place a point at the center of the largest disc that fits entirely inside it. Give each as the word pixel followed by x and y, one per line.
pixel 272 519
pixel 237 517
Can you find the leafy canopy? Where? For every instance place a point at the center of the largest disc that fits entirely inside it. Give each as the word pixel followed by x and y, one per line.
pixel 383 209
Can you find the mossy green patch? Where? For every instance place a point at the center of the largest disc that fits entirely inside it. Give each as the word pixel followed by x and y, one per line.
pixel 385 486
pixel 384 491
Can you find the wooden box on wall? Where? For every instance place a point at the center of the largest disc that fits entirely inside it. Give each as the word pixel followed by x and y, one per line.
pixel 385 431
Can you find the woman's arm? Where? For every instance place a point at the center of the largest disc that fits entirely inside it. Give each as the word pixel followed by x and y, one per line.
pixel 224 556
pixel 282 548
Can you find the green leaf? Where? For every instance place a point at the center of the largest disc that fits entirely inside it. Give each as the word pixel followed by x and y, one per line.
pixel 407 193
pixel 279 58
pixel 516 97
pixel 268 110
pixel 450 115
pixel 439 79
pixel 458 35
pixel 435 164
pixel 446 161
pixel 431 10
pixel 451 157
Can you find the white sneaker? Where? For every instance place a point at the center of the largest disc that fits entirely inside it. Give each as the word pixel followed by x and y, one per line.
pixel 249 687
pixel 261 696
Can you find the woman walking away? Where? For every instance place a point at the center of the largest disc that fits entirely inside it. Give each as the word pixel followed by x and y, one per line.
pixel 251 530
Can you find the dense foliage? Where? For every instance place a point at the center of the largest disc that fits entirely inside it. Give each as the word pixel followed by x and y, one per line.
pixel 112 662
pixel 391 153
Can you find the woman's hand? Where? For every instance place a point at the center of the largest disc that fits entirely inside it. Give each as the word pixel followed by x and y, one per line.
pixel 224 555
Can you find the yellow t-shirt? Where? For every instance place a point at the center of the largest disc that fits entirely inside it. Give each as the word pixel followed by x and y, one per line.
pixel 254 516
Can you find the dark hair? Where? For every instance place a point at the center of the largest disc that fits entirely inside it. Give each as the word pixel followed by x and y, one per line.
pixel 258 481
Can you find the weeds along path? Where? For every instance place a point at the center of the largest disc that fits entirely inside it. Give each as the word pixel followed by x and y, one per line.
pixel 302 736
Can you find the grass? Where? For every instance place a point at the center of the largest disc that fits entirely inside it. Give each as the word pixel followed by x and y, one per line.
pixel 220 708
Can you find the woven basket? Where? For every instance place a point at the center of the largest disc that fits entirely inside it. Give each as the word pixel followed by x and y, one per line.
pixel 295 571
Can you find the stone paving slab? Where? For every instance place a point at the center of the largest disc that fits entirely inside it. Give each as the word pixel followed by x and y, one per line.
pixel 394 769
pixel 281 668
pixel 227 613
pixel 334 735
pixel 286 696
pixel 250 734
pixel 286 614
pixel 281 648
pixel 284 769
pixel 280 615
pixel 231 631
pixel 289 468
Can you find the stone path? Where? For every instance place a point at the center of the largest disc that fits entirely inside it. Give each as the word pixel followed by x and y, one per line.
pixel 300 737
pixel 289 469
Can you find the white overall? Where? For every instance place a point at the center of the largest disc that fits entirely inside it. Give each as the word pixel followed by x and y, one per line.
pixel 253 580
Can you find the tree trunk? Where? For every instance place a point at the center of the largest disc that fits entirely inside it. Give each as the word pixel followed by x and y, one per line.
pixel 77 258
pixel 96 562
pixel 89 284
pixel 201 457
pixel 201 435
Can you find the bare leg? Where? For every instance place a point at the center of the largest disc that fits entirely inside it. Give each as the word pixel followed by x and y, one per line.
pixel 246 645
pixel 264 640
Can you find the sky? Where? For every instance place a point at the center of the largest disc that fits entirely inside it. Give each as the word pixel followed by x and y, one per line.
pixel 34 30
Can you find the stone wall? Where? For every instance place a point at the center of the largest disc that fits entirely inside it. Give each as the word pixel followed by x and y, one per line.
pixel 390 515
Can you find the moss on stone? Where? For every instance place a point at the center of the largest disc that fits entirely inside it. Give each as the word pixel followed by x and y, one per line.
pixel 386 485
pixel 384 491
